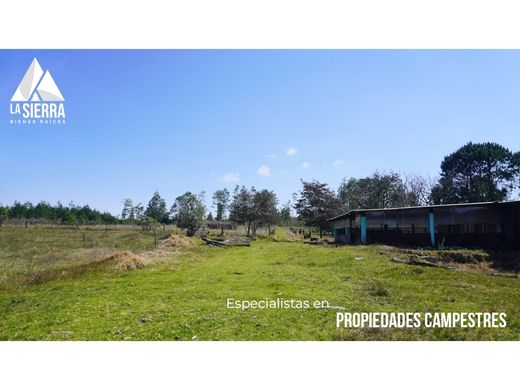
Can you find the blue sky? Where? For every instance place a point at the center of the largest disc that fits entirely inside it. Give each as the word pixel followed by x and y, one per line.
pixel 174 121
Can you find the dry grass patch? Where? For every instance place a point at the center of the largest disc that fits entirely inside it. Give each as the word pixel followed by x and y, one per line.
pixel 462 259
pixel 176 241
pixel 93 255
pixel 126 260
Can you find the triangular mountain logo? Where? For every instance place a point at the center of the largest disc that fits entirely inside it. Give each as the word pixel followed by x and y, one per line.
pixel 37 86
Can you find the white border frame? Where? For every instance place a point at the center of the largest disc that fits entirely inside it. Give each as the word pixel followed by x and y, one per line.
pixel 259 24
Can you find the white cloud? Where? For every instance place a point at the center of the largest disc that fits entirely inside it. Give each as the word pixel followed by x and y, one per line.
pixel 230 177
pixel 338 163
pixel 291 151
pixel 272 155
pixel 306 165
pixel 264 170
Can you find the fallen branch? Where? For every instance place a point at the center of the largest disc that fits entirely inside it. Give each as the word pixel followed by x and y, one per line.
pixel 213 242
pixel 503 275
pixel 234 241
pixel 414 260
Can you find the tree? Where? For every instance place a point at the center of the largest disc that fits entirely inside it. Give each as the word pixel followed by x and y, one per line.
pixel 70 218
pixel 189 211
pixel 418 190
pixel 45 211
pixel 516 163
pixel 241 207
pixel 128 213
pixel 139 213
pixel 72 214
pixel 284 214
pixel 381 190
pixel 264 212
pixel 107 218
pixel 17 210
pixel 157 209
pixel 210 217
pixel 132 214
pixel 253 208
pixel 315 204
pixel 484 172
pixel 4 214
pixel 221 203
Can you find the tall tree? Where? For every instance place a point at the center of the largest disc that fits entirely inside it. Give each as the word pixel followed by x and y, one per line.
pixel 265 212
pixel 157 209
pixel 45 211
pixel 285 214
pixel 221 203
pixel 253 208
pixel 516 163
pixel 17 210
pixel 315 204
pixel 418 190
pixel 189 212
pixel 128 212
pixel 4 214
pixel 139 213
pixel 241 207
pixel 477 172
pixel 381 190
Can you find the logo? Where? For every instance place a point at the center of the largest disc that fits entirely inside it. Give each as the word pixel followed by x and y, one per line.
pixel 37 100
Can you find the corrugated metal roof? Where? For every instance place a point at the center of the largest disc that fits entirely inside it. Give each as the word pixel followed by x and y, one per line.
pixel 357 211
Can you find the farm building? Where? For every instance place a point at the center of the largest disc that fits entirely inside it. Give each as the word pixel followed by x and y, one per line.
pixel 484 225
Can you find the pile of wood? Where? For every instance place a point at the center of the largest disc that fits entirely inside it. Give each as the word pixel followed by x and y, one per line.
pixel 423 261
pixel 231 241
pixel 451 259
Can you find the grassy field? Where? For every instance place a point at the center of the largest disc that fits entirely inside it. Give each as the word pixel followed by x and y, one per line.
pixel 68 284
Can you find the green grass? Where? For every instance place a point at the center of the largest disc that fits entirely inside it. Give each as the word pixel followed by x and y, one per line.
pixel 25 252
pixel 183 296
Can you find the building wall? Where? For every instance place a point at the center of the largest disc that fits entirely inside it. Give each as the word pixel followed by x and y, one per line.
pixel 487 226
pixel 512 224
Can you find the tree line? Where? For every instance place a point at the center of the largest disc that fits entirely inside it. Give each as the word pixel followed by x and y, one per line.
pixel 476 172
pixel 245 206
pixel 71 214
pixel 473 173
